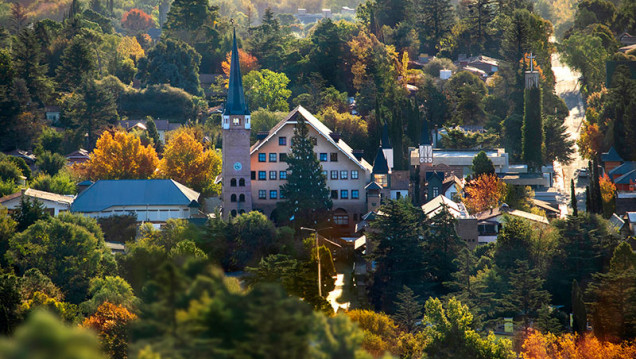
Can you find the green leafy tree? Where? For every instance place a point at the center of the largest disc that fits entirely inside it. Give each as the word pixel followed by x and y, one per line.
pixel 111 289
pixel 7 230
pixel 466 92
pixel 513 243
pixel 586 54
pixel 28 212
pixel 9 171
pixel 408 309
pixel 50 163
pixel 44 336
pixel 172 62
pixel 482 165
pixel 558 145
pixel 80 252
pixel 254 237
pixel 267 90
pixel 448 325
pixel 307 198
pixel 77 64
pixel 61 183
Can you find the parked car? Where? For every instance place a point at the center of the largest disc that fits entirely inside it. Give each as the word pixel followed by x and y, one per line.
pixel 582 173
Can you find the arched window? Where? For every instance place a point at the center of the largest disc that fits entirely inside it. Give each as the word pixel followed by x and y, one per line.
pixel 241 198
pixel 233 198
pixel 233 182
pixel 233 213
pixel 242 182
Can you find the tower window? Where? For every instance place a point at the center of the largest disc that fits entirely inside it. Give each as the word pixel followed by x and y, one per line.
pixel 262 175
pixel 435 191
pixel 262 157
pixel 241 198
pixel 272 157
pixel 233 198
pixel 282 141
pixel 242 182
pixel 233 182
pixel 236 121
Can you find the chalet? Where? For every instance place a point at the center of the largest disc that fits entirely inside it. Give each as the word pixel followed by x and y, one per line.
pixel 53 203
pixel 491 221
pixel 79 156
pixel 153 200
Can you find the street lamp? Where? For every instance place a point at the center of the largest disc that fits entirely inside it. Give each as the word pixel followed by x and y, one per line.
pixel 317 253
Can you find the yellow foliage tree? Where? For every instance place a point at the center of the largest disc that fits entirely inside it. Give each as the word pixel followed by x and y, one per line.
pixel 129 48
pixel 484 192
pixel 185 160
pixel 120 155
pixel 571 346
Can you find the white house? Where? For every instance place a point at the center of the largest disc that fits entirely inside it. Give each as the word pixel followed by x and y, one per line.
pixel 491 221
pixel 53 203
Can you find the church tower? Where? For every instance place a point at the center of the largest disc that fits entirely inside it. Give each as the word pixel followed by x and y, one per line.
pixel 236 186
pixel 387 149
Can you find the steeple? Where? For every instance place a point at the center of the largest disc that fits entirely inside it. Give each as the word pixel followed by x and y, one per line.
pixel 380 165
pixel 385 141
pixel 235 104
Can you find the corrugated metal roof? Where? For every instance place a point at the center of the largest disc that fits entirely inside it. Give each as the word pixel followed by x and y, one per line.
pixel 611 156
pixel 154 192
pixel 627 178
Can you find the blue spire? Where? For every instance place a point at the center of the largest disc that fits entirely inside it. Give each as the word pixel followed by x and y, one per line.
pixel 235 104
pixel 385 141
pixel 425 138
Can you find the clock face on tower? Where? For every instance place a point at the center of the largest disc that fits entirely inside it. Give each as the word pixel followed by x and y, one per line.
pixel 237 166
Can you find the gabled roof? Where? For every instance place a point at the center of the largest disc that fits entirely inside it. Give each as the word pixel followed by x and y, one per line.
pixel 323 130
pixel 623 169
pixel 545 206
pixel 373 186
pixel 504 209
pixel 627 178
pixel 41 195
pixel 435 174
pixel 380 165
pixel 611 156
pixel 236 104
pixel 434 206
pixel 154 192
pixel 82 153
pixel 450 181
pixel 616 222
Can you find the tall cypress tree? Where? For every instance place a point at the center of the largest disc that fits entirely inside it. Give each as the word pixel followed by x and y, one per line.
pixel 579 322
pixel 307 198
pixel 596 194
pixel 588 200
pixel 532 129
pixel 575 210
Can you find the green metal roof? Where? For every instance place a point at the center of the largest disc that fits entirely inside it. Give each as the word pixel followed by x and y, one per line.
pixel 154 192
pixel 236 104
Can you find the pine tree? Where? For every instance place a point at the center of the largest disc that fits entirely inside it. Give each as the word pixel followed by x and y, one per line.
pixel 482 165
pixel 532 129
pixel 597 199
pixel 527 295
pixel 408 309
pixel 77 64
pixel 575 210
pixel 27 57
pixel 579 314
pixel 152 130
pixel 307 198
pixel 93 109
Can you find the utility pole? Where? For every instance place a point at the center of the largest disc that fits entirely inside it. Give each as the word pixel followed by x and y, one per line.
pixel 317 256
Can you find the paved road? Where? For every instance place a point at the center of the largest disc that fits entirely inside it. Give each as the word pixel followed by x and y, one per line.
pixel 567 87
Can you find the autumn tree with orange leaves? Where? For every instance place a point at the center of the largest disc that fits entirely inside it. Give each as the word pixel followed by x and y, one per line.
pixel 572 346
pixel 119 155
pixel 248 63
pixel 186 161
pixel 608 195
pixel 137 20
pixel 484 192
pixel 111 322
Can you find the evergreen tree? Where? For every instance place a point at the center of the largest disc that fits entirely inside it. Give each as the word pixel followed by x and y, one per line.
pixel 307 198
pixel 597 199
pixel 10 300
pixel 27 58
pixel 398 251
pixel 435 17
pixel 575 210
pixel 268 43
pixel 77 64
pixel 558 145
pixel 482 165
pixel 408 309
pixel 579 314
pixel 28 212
pixel 527 295
pixel 93 109
pixel 442 246
pixel 588 200
pixel 152 131
pixel 532 129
